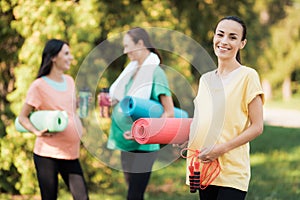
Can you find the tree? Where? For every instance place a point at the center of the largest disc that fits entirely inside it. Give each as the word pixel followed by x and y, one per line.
pixel 11 41
pixel 37 21
pixel 281 56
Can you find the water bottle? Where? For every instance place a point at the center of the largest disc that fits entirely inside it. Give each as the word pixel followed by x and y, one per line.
pixel 84 95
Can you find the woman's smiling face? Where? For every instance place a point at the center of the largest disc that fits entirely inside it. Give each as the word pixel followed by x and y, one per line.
pixel 227 39
pixel 63 59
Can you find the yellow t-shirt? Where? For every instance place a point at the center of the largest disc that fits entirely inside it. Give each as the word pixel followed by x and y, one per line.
pixel 221 114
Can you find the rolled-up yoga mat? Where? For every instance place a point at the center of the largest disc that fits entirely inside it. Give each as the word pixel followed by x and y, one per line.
pixel 161 130
pixel 145 108
pixel 53 120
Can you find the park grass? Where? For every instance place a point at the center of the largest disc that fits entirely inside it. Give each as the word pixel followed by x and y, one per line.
pixel 275 161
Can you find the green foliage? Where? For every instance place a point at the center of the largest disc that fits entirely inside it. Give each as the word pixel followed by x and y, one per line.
pixel 38 21
pixel 16 158
pixel 284 47
pixel 50 20
pixel 11 41
pixel 9 178
pixel 9 46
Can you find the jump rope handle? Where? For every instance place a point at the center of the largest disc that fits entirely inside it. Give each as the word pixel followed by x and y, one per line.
pixel 194 168
pixel 193 188
pixel 196 179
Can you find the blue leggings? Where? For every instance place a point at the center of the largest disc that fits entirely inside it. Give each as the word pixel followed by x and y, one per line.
pixel 47 172
pixel 213 192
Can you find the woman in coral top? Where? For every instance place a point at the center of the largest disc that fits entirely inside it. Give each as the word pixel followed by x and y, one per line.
pixel 228 115
pixel 55 153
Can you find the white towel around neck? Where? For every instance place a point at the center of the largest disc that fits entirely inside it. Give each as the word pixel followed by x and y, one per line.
pixel 142 84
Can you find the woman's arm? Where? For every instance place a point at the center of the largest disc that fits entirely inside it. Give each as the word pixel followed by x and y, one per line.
pixel 25 121
pixel 167 103
pixel 255 108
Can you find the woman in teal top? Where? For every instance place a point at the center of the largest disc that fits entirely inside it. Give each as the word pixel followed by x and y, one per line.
pixel 142 78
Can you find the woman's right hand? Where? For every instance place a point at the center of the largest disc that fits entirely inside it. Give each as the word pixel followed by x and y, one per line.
pixel 25 122
pixel 181 146
pixel 42 133
pixel 167 103
pixel 113 101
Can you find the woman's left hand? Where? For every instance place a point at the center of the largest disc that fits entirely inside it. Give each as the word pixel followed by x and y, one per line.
pixel 127 135
pixel 210 154
pixel 90 99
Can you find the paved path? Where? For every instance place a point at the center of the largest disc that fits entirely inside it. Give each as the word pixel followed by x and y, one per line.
pixel 282 117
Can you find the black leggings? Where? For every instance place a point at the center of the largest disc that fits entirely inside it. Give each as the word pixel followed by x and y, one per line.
pixel 213 192
pixel 137 166
pixel 71 172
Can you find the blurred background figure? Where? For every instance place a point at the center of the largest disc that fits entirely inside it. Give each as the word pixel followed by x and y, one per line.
pixel 55 153
pixel 104 103
pixel 143 78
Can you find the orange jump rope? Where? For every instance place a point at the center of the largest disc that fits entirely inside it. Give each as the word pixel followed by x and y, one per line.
pixel 201 179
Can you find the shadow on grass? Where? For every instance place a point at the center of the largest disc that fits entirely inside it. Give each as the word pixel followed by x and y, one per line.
pixel 278 138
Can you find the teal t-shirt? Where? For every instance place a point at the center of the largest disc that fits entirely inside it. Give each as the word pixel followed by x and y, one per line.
pixel 121 123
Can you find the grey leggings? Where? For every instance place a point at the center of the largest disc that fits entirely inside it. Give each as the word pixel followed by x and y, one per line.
pixel 137 167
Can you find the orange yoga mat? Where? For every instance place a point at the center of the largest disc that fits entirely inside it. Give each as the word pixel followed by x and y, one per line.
pixel 161 130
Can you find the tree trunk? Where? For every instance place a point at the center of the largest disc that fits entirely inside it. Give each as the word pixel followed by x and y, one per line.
pixel 267 88
pixel 286 89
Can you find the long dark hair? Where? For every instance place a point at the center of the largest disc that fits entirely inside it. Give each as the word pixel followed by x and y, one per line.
pixel 141 34
pixel 242 23
pixel 52 48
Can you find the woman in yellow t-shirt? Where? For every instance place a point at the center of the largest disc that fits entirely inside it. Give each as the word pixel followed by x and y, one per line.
pixel 228 115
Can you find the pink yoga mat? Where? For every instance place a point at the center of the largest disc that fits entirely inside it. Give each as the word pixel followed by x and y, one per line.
pixel 161 130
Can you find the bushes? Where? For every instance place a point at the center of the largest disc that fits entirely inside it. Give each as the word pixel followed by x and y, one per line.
pixel 17 171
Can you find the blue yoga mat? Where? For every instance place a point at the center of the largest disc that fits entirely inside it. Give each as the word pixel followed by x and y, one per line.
pixel 53 120
pixel 145 108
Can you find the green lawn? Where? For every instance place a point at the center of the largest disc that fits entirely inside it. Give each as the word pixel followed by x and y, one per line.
pixel 275 157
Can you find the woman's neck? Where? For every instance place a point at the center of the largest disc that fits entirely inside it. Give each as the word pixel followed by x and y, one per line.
pixel 144 54
pixel 56 75
pixel 225 67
